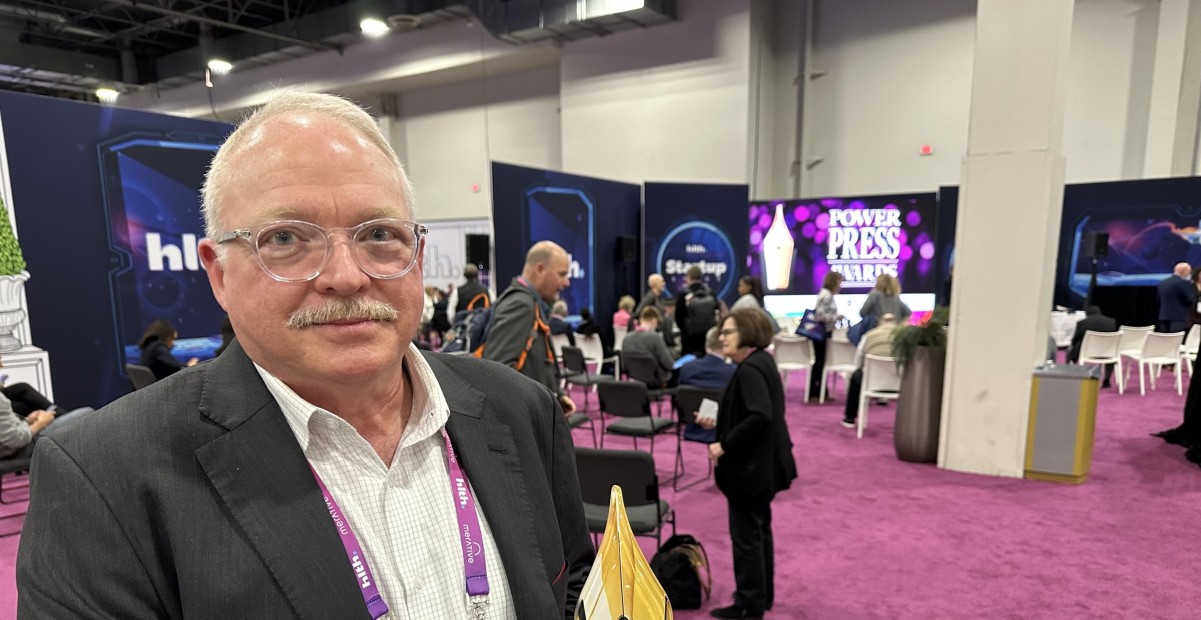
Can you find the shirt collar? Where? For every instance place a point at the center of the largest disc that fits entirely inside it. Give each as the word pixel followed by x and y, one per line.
pixel 430 410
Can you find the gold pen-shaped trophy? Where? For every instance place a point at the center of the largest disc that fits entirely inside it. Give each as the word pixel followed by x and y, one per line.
pixel 621 585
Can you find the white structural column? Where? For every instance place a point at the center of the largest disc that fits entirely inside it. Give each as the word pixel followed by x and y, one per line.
pixel 1009 212
pixel 1175 90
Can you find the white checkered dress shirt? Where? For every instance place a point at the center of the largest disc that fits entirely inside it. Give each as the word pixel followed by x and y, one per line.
pixel 403 515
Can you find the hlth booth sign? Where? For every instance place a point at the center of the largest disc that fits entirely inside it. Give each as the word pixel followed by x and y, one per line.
pixel 691 225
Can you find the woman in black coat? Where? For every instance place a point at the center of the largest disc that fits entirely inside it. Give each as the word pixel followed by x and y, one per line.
pixel 753 458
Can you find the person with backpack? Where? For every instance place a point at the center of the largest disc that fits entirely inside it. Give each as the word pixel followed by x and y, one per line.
pixel 469 295
pixel 696 312
pixel 520 332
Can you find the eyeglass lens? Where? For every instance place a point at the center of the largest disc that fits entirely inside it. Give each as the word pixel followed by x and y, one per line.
pixel 298 250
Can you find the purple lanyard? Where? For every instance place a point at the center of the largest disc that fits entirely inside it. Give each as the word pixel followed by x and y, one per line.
pixel 354 552
pixel 474 565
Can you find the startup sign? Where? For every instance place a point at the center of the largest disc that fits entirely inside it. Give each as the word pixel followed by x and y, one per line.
pixel 697 244
pixel 863 244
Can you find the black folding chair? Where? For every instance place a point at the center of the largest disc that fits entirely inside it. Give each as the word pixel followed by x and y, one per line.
pixel 642 367
pixel 140 376
pixel 629 400
pixel 577 372
pixel 634 472
pixel 687 401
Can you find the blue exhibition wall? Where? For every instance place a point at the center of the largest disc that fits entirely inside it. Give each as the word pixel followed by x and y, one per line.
pixel 586 216
pixel 107 208
pixel 687 224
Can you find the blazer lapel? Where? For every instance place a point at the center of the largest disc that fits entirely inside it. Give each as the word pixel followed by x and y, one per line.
pixel 259 472
pixel 489 456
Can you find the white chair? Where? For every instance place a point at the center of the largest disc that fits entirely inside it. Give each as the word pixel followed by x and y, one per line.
pixel 1188 350
pixel 557 342
pixel 1103 348
pixel 619 334
pixel 1132 339
pixel 1158 350
pixel 794 353
pixel 840 360
pixel 838 335
pixel 881 381
pixel 594 353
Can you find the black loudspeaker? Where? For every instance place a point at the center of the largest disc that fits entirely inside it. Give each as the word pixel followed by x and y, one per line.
pixel 1096 245
pixel 627 249
pixel 477 250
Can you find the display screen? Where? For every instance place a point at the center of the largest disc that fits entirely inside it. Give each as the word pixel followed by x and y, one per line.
pixel 152 195
pixel 1145 242
pixel 564 215
pixel 793 244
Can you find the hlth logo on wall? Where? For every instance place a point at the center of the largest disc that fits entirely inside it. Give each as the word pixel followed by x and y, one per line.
pixel 574 271
pixel 697 244
pixel 176 259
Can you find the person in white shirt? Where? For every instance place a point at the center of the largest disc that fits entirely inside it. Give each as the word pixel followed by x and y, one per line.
pixel 321 467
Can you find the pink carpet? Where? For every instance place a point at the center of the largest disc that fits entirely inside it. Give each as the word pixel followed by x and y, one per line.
pixel 863 535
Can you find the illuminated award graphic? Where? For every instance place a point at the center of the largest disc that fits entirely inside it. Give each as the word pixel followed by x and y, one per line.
pixel 777 253
pixel 621 584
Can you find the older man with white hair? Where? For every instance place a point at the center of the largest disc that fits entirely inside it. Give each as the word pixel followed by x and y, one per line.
pixel 321 467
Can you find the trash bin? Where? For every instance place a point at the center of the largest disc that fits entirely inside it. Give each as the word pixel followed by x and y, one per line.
pixel 1063 410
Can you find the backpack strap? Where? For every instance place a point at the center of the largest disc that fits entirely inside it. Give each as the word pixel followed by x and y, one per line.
pixel 538 326
pixel 478 298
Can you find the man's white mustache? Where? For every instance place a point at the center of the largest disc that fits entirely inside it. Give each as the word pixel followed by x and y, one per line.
pixel 342 309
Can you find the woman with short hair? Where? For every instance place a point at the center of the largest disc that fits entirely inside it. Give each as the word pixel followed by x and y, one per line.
pixel 753 458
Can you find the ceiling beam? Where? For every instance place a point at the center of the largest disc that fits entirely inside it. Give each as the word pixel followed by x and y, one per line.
pixel 317 45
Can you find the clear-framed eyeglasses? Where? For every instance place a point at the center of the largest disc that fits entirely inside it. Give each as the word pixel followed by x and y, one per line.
pixel 296 251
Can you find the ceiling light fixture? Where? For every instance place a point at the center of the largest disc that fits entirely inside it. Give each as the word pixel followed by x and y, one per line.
pixel 220 67
pixel 373 27
pixel 107 95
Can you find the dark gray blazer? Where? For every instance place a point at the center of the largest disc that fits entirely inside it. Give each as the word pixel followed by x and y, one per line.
pixel 192 499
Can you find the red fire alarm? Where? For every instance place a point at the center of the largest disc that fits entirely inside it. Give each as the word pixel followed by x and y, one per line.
pixel 475 188
pixel 926 149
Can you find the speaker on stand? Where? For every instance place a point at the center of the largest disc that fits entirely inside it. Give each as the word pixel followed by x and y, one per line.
pixel 479 253
pixel 1095 245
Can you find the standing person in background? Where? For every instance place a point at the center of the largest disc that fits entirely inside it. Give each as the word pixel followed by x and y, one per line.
pixel 658 297
pixel 885 298
pixel 827 314
pixel 1177 298
pixel 520 336
pixel 1194 317
pixel 750 293
pixel 696 312
pixel 156 344
pixel 753 459
pixel 469 295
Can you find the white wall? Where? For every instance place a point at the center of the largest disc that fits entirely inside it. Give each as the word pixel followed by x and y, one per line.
pixel 451 134
pixel 667 103
pixel 1109 89
pixel 898 75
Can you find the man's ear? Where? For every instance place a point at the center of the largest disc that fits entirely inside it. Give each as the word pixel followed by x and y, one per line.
pixel 214 269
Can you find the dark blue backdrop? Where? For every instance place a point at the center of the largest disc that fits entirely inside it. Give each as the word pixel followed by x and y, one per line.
pixel 584 215
pixel 690 223
pixel 91 187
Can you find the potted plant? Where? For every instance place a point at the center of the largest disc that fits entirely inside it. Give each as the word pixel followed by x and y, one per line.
pixel 921 353
pixel 12 281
